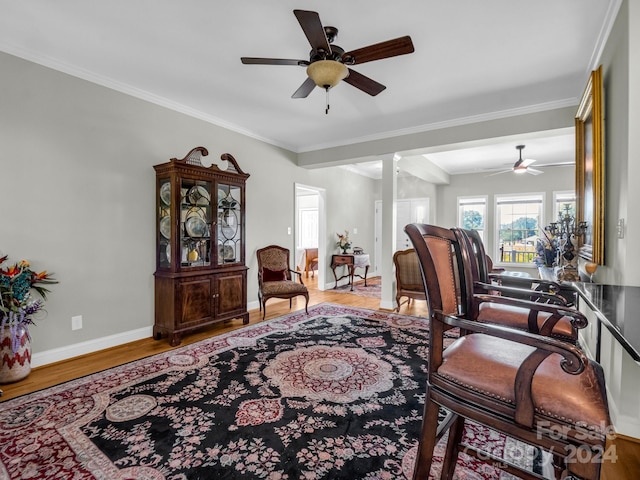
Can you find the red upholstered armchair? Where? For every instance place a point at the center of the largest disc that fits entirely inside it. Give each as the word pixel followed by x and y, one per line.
pixel 276 278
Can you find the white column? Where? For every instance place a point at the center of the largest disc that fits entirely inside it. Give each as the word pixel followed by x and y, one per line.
pixel 389 193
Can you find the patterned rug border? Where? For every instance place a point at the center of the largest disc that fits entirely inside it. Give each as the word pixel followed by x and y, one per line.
pixel 221 343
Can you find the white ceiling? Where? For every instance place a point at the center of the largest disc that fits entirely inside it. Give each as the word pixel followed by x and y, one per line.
pixel 473 59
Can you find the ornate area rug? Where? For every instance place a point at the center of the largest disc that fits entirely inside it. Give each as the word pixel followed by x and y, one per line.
pixel 336 394
pixel 373 288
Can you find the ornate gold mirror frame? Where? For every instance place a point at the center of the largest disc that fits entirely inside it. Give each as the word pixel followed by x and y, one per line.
pixel 590 168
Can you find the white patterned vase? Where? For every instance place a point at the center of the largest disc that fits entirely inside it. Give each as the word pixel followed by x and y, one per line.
pixel 16 365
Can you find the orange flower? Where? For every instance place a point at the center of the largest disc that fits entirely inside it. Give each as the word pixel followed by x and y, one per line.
pixel 13 271
pixel 42 275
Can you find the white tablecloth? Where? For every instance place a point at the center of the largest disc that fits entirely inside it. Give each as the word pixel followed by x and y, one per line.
pixel 361 260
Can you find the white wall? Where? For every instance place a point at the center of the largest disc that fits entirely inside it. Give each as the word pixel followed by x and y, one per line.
pixel 621 77
pixel 77 197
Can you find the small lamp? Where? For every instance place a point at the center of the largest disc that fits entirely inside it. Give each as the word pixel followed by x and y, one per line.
pixel 327 74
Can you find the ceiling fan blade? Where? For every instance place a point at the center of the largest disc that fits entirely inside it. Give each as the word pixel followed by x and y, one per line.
pixel 364 83
pixel 533 171
pixel 560 164
pixel 527 161
pixel 305 89
pixel 390 48
pixel 273 61
pixel 313 29
pixel 498 173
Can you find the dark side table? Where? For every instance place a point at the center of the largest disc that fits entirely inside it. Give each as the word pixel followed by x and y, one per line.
pixel 352 262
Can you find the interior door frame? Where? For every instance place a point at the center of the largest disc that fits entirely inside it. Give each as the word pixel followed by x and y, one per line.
pixel 322 229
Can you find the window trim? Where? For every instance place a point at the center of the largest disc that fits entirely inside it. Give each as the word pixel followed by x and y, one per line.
pixel 558 193
pixel 485 199
pixel 496 225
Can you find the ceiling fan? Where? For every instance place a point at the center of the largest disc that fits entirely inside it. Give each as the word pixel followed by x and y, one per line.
pixel 327 64
pixel 521 165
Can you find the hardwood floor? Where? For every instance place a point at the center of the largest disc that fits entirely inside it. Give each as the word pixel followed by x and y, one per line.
pixel 627 449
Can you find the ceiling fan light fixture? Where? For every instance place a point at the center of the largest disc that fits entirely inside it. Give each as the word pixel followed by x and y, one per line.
pixel 327 73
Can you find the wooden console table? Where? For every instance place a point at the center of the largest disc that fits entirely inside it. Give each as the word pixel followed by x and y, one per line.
pixel 352 262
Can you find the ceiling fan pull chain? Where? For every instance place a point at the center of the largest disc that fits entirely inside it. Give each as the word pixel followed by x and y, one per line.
pixel 326 112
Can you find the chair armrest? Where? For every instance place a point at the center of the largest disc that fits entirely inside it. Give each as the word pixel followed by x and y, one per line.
pixel 524 292
pixel 578 320
pixel 299 274
pixel 573 361
pixel 528 283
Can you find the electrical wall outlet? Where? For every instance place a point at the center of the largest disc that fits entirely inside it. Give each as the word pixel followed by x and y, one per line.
pixel 76 322
pixel 620 228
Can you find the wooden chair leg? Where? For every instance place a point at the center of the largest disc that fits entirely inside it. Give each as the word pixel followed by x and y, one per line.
pixel 428 439
pixel 451 453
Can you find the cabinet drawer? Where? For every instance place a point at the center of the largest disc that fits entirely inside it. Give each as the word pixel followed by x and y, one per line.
pixel 342 260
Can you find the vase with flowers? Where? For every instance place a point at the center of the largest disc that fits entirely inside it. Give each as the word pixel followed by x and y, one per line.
pixel 343 242
pixel 22 296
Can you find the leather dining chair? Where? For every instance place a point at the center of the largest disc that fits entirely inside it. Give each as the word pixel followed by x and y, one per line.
pixel 531 387
pixel 556 319
pixel 488 277
pixel 276 278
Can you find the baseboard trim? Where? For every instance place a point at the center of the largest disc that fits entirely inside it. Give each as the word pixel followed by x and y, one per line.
pixel 90 346
pixel 253 305
pixel 387 305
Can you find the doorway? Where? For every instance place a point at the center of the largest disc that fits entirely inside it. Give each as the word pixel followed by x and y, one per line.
pixel 310 228
pixel 410 210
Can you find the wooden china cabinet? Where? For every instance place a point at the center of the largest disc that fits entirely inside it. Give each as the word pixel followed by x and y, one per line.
pixel 201 276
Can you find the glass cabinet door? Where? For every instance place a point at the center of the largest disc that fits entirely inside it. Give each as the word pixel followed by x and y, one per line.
pixel 164 223
pixel 229 225
pixel 195 223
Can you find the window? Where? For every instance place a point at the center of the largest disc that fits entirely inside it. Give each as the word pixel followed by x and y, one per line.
pixel 518 219
pixel 472 213
pixel 564 203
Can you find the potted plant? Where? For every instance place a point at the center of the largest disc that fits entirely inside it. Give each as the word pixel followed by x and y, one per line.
pixel 18 307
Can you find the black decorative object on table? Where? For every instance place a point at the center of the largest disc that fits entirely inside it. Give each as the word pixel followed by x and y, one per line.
pixel 564 234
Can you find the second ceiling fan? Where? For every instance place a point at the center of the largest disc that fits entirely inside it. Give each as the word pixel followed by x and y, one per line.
pixel 328 63
pixel 521 165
